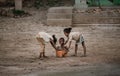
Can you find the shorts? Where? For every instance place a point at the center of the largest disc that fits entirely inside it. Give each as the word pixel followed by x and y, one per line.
pixel 81 39
pixel 40 40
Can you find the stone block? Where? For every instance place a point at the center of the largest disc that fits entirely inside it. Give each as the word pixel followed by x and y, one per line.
pixel 59 22
pixel 60 10
pixel 94 19
pixel 59 16
pixel 18 4
pixel 80 4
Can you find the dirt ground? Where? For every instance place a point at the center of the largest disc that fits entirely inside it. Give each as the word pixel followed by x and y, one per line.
pixel 19 50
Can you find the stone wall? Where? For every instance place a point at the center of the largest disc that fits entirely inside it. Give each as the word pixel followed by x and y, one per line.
pixel 97 16
pixel 59 16
pixel 62 16
pixel 90 19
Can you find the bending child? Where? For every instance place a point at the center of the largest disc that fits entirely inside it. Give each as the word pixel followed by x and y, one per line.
pixel 76 36
pixel 43 38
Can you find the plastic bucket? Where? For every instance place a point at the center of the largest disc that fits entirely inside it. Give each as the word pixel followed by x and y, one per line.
pixel 60 53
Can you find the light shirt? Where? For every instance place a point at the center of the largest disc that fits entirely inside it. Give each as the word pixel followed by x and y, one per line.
pixel 46 37
pixel 74 36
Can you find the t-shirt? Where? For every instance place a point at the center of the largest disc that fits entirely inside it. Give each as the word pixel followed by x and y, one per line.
pixel 74 36
pixel 46 37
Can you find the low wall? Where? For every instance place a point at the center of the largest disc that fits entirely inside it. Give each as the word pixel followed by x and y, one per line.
pixel 97 16
pixel 60 16
pixel 87 19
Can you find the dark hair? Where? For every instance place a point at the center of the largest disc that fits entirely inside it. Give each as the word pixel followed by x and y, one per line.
pixel 54 39
pixel 63 40
pixel 67 30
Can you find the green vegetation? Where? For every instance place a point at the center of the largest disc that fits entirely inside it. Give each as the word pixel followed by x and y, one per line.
pixel 18 12
pixel 116 2
pixel 44 3
pixel 103 2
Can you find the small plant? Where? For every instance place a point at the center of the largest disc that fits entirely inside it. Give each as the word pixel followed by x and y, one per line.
pixel 52 2
pixel 38 4
pixel 18 12
pixel 44 3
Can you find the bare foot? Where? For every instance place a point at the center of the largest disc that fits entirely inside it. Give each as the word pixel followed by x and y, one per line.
pixel 41 58
pixel 83 56
pixel 45 56
pixel 74 55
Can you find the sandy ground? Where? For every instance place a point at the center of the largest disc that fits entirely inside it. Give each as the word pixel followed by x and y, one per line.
pixel 19 50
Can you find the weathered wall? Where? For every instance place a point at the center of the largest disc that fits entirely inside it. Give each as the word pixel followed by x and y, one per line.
pixel 97 16
pixel 60 16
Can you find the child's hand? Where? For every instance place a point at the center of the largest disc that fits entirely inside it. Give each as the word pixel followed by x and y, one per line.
pixel 66 48
pixel 71 48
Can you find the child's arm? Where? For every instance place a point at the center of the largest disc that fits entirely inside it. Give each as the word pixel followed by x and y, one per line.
pixel 66 41
pixel 66 48
pixel 53 45
pixel 69 40
pixel 69 44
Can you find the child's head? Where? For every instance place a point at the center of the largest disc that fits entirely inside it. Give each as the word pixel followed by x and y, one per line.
pixel 61 41
pixel 67 31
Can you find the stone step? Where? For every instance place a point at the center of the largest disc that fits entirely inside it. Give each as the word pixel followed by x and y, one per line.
pixel 59 16
pixel 103 14
pixel 95 25
pixel 95 20
pixel 59 22
pixel 60 10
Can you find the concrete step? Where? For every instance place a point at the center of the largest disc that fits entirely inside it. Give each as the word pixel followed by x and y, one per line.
pixel 59 16
pixel 59 22
pixel 60 10
pixel 82 19
pixel 97 16
pixel 96 25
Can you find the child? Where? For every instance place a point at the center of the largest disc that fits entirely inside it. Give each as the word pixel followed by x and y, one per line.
pixel 74 36
pixel 43 38
pixel 62 47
